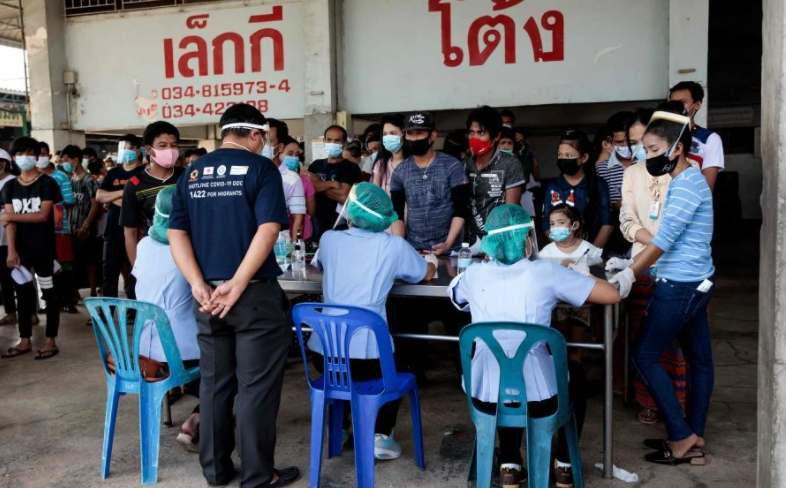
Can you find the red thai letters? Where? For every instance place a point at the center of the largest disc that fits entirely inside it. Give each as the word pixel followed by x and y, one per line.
pixel 487 33
pixel 191 58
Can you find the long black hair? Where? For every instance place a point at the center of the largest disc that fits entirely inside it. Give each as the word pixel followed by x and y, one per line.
pixel 573 215
pixel 383 155
pixel 579 141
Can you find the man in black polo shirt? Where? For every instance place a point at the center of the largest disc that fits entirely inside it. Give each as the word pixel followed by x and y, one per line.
pixel 139 195
pixel 333 178
pixel 226 216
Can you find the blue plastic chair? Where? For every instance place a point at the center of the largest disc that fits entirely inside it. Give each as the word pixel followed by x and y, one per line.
pixel 335 325
pixel 512 403
pixel 128 378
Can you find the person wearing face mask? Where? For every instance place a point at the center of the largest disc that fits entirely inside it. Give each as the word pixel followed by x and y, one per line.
pixel 372 143
pixel 139 195
pixel 110 194
pixel 30 229
pixel 706 151
pixel 495 176
pixel 70 157
pixel 612 169
pixel 294 193
pixel 580 189
pixel 643 197
pixel 507 142
pixel 83 217
pixel 456 144
pixel 226 216
pixel 291 159
pixel 508 118
pixel 332 179
pixel 6 282
pixel 391 153
pixel 511 287
pixel 683 288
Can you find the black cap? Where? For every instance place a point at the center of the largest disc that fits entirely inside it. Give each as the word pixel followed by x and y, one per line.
pixel 419 121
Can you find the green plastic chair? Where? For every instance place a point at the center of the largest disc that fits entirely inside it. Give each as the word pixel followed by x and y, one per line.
pixel 512 403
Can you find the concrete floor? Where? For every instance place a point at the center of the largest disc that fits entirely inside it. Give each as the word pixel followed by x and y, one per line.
pixel 51 416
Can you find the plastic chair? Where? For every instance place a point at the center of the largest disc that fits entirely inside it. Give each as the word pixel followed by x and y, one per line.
pixel 335 325
pixel 512 403
pixel 128 378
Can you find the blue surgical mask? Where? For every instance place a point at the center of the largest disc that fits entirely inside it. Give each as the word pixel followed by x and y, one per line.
pixel 292 162
pixel 85 163
pixel 68 167
pixel 559 234
pixel 126 156
pixel 392 143
pixel 639 153
pixel 333 150
pixel 374 157
pixel 25 163
pixel 623 152
pixel 267 151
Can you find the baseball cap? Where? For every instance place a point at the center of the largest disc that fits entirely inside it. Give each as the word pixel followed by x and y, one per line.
pixel 4 155
pixel 419 121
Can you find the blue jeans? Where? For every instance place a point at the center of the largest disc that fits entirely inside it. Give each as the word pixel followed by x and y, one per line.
pixel 678 311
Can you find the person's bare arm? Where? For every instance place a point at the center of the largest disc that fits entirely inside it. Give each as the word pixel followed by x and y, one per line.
pixel 711 174
pixel 513 195
pixel 311 205
pixel 322 186
pixel 28 218
pixel 398 229
pixel 430 272
pixel 131 235
pixel 10 232
pixel 603 293
pixel 643 236
pixel 603 236
pixel 340 193
pixel 105 197
pixel 646 258
pixel 443 248
pixel 377 179
pixel 225 296
pixel 85 230
pixel 297 225
pixel 183 254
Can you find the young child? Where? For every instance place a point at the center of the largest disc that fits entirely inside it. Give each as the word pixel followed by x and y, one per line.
pixel 567 246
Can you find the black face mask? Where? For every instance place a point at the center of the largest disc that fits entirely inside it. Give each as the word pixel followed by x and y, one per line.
pixel 418 147
pixel 660 165
pixel 568 166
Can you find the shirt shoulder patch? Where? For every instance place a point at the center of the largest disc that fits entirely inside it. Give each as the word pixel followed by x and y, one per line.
pixel 134 181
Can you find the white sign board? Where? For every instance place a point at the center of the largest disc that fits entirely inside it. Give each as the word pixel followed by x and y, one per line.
pixel 451 54
pixel 186 67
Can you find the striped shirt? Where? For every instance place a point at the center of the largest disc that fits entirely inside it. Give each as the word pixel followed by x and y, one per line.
pixel 612 171
pixel 294 193
pixel 686 229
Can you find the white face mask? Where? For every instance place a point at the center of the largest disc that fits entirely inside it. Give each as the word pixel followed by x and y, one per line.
pixel 42 162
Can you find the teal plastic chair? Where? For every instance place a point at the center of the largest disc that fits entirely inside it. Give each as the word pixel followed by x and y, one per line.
pixel 113 337
pixel 512 403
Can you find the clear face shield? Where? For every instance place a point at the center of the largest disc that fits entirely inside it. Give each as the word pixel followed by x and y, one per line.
pixel 126 153
pixel 530 250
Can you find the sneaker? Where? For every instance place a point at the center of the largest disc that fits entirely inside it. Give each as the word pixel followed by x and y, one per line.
pixel 563 475
pixel 385 447
pixel 511 476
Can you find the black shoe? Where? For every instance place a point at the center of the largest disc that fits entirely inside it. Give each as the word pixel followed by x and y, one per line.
pixel 286 477
pixel 512 477
pixel 563 476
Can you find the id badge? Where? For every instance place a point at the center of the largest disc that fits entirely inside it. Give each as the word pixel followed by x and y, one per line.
pixel 654 210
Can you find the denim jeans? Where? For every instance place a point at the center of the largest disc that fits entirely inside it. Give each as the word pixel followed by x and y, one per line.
pixel 678 310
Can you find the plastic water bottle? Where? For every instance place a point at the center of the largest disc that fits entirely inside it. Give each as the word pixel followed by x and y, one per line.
pixel 299 261
pixel 464 257
pixel 280 249
pixel 289 246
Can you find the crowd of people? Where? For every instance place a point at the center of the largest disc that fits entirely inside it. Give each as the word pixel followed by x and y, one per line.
pixel 194 234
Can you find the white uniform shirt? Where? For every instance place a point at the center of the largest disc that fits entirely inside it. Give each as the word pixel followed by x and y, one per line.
pixel 526 291
pixel 159 281
pixel 360 268
pixel 553 252
pixel 293 190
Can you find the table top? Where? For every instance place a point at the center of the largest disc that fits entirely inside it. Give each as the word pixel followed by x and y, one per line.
pixel 312 282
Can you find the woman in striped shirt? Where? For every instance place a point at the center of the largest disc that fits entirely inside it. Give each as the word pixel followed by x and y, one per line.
pixel 684 285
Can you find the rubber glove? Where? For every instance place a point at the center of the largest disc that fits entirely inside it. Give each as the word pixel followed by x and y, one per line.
pixel 616 264
pixel 432 259
pixel 624 280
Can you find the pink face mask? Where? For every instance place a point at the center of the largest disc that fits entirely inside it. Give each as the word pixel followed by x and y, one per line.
pixel 166 158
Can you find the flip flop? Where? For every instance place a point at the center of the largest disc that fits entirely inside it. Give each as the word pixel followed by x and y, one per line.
pixel 13 352
pixel 658 444
pixel 665 456
pixel 41 355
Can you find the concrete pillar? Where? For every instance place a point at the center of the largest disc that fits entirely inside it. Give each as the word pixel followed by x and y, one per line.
pixel 319 21
pixel 45 43
pixel 688 40
pixel 771 457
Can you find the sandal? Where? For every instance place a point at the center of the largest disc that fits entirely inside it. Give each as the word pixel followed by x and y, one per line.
pixel 648 416
pixel 658 444
pixel 41 355
pixel 665 456
pixel 14 352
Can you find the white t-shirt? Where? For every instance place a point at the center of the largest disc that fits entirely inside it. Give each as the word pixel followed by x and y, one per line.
pixel 3 238
pixel 293 190
pixel 706 150
pixel 555 253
